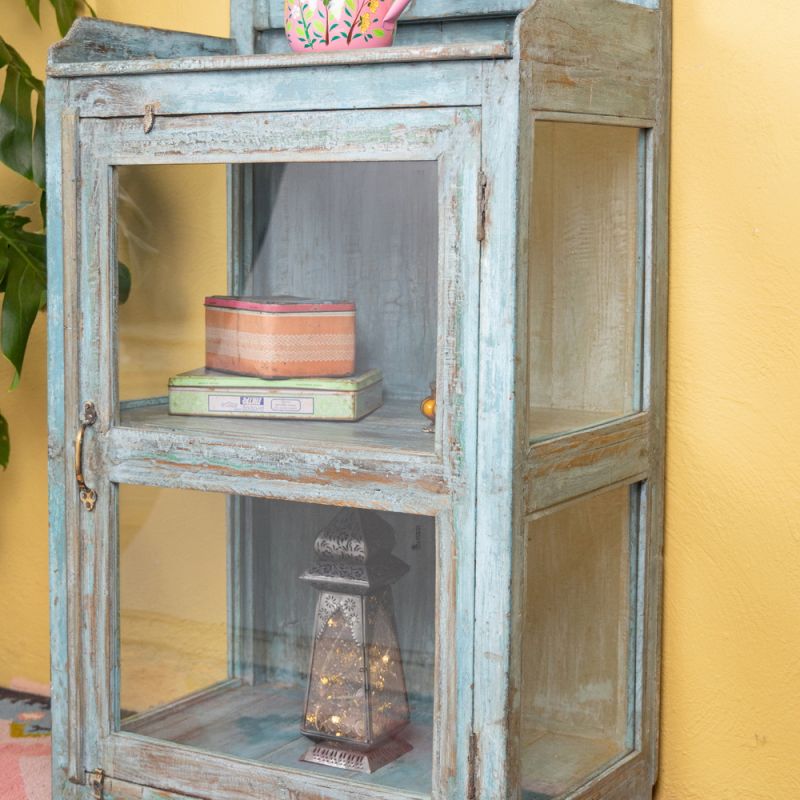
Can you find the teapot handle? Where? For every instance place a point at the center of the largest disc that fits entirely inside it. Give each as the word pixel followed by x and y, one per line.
pixel 398 7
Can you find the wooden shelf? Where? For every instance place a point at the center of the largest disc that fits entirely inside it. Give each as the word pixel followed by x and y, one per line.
pixel 396 427
pixel 544 423
pixel 261 723
pixel 100 47
pixel 553 764
pixel 385 461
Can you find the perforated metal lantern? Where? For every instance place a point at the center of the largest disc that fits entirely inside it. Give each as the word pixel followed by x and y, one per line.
pixel 356 701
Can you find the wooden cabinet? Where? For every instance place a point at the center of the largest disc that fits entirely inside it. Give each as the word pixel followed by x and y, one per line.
pixel 491 193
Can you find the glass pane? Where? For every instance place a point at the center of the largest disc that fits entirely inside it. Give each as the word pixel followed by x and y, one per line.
pixel 577 647
pixel 176 254
pixel 585 284
pixel 294 632
pixel 173 579
pixel 358 242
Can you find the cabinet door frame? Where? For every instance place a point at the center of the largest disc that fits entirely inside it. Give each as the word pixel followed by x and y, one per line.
pixel 92 147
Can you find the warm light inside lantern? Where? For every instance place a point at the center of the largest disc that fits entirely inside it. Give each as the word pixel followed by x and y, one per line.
pixel 357 694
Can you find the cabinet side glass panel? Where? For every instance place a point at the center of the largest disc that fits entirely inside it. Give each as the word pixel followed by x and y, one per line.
pixel 298 636
pixel 580 617
pixel 585 276
pixel 323 328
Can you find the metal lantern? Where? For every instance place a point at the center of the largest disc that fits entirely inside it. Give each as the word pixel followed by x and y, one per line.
pixel 356 702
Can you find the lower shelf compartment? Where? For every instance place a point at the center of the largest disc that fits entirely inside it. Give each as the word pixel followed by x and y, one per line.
pixel 262 723
pixel 554 764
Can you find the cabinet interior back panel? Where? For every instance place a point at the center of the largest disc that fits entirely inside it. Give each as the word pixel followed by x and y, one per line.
pixel 366 232
pixel 282 545
pixel 583 268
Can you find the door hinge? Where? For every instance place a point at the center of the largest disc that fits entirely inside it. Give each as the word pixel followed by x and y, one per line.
pixel 483 201
pixel 472 764
pixel 97 779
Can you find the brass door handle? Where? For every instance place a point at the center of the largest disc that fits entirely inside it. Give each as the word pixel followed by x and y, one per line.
pixel 88 496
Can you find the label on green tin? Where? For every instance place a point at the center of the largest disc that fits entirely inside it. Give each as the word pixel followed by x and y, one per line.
pixel 255 404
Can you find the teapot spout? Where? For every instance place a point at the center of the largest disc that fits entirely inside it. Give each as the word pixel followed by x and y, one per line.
pixel 395 11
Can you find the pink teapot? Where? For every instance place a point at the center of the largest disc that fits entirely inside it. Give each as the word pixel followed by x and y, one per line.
pixel 314 25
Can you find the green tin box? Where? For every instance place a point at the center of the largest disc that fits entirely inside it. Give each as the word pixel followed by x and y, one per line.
pixel 203 392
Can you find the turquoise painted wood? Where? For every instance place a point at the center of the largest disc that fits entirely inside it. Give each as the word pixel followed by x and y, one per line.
pixel 466 93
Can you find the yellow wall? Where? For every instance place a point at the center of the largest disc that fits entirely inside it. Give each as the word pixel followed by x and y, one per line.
pixel 731 702
pixel 24 634
pixel 731 705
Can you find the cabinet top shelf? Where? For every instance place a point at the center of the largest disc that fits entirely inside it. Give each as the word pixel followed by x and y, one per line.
pixel 97 47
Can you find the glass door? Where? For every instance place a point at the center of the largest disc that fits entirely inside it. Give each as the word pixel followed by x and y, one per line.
pixel 278 603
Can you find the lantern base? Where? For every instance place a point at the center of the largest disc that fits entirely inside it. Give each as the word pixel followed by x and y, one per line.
pixel 333 754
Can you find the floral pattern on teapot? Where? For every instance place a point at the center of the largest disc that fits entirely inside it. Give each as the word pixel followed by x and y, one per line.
pixel 341 24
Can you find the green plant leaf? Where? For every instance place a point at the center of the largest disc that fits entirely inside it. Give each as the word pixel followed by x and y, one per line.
pixel 5 442
pixel 21 133
pixel 65 14
pixel 33 7
pixel 379 32
pixel 23 256
pixel 123 281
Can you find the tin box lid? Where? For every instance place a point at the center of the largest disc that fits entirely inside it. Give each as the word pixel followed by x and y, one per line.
pixel 211 379
pixel 279 304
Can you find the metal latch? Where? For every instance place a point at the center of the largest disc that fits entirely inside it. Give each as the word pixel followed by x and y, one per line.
pixel 97 779
pixel 150 116
pixel 88 496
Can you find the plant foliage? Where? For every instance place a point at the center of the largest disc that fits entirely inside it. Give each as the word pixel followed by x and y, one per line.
pixel 23 263
pixel 21 129
pixel 5 442
pixel 23 279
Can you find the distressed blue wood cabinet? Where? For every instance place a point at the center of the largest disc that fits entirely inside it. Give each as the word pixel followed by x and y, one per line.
pixel 492 194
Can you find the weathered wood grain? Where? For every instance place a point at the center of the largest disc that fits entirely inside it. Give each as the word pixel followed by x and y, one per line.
pixel 96 637
pixel 185 770
pixel 595 56
pixel 224 63
pixel 96 41
pixel 243 15
pixel 61 404
pixel 262 723
pixel 498 438
pixel 638 454
pixel 470 30
pixel 575 464
pixel 413 85
pixel 655 372
pixel 577 640
pixel 352 210
pixel 625 780
pixel 161 459
pixel 584 277
pixel 390 135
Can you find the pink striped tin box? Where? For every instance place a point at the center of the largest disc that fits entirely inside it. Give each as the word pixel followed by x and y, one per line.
pixel 281 337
